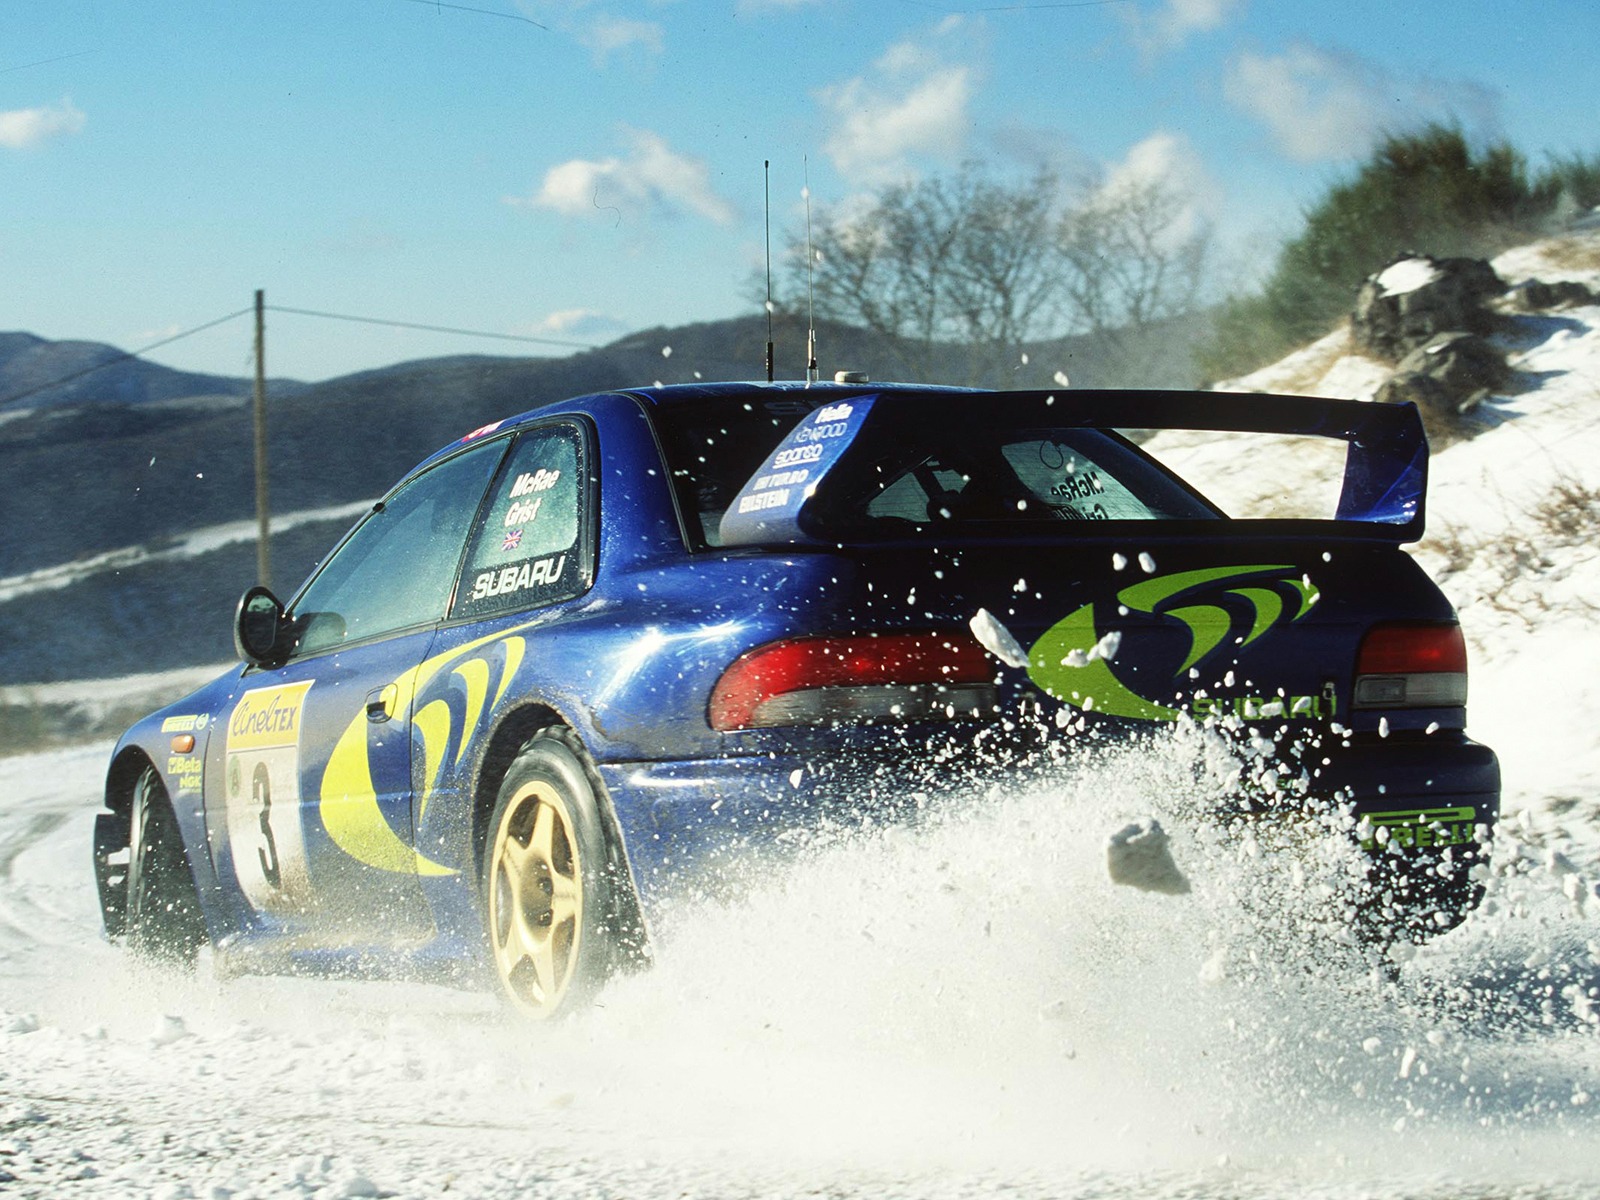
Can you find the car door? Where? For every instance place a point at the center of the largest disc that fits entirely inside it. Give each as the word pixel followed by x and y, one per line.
pixel 532 550
pixel 316 752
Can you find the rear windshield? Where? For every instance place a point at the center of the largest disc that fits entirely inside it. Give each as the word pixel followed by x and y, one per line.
pixel 927 466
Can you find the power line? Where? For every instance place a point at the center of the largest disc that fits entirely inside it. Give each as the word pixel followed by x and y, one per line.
pixel 504 337
pixel 45 62
pixel 487 12
pixel 299 312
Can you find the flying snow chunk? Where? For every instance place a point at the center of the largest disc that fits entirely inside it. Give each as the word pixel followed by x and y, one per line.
pixel 997 639
pixel 1407 276
pixel 168 1029
pixel 1138 856
pixel 1105 648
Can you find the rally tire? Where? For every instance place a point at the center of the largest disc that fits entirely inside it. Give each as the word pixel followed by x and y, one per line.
pixel 553 891
pixel 162 922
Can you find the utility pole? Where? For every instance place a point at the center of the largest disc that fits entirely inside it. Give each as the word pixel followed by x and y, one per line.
pixel 263 523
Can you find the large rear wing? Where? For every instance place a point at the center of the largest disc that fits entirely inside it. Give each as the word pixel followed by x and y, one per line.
pixel 1382 493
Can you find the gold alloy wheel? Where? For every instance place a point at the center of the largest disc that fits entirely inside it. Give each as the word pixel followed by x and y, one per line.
pixel 536 898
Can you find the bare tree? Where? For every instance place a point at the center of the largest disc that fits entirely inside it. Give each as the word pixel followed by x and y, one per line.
pixel 943 269
pixel 1132 257
pixel 958 275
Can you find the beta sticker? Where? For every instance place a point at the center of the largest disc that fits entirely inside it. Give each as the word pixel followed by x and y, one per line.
pixel 263 796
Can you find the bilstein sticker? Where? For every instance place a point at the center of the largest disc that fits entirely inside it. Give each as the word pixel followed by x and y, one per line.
pixel 1063 662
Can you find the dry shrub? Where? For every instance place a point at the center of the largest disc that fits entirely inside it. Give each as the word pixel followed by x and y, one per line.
pixel 1567 515
pixel 1572 253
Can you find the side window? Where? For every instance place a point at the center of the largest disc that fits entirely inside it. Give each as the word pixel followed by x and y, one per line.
pixel 532 547
pixel 396 570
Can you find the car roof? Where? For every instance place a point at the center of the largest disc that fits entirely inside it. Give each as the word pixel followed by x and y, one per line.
pixel 667 396
pixel 681 393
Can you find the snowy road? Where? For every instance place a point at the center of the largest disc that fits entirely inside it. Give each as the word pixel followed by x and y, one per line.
pixel 963 1010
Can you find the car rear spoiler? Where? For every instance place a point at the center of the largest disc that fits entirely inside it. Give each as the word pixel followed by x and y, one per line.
pixel 1385 473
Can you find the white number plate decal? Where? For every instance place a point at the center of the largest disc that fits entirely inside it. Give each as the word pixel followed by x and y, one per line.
pixel 263 774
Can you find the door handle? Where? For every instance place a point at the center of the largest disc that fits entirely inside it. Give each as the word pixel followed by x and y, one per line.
pixel 381 702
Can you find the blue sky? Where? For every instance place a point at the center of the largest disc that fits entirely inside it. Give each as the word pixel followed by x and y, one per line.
pixel 576 170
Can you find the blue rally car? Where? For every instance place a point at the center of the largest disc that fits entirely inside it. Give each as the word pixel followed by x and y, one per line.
pixel 574 657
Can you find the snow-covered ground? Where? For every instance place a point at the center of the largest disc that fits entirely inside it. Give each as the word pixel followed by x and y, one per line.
pixel 965 1009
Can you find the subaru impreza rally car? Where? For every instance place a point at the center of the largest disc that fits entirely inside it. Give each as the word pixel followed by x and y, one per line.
pixel 572 658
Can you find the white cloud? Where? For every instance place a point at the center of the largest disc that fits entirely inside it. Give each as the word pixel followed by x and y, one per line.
pixel 1323 105
pixel 579 324
pixel 606 36
pixel 1171 161
pixel 913 104
pixel 601 33
pixel 651 177
pixel 1175 20
pixel 1165 158
pixel 24 127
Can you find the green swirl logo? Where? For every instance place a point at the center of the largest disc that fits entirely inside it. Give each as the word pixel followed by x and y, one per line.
pixel 1066 661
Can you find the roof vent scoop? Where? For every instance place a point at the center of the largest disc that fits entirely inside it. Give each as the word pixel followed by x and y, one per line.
pixel 850 377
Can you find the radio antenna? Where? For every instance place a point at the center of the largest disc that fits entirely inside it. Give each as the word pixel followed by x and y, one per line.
pixel 811 258
pixel 766 183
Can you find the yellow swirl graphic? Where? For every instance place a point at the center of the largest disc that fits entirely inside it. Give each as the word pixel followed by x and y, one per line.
pixel 349 802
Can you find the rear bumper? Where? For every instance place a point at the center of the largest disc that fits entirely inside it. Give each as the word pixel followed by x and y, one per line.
pixel 1424 808
pixel 1442 770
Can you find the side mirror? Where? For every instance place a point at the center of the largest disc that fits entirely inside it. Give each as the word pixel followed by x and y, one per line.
pixel 259 627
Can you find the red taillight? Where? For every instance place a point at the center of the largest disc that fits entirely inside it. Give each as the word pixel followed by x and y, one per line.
pixel 900 676
pixel 1411 666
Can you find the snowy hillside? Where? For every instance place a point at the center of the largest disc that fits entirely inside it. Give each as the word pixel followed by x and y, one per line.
pixel 1513 530
pixel 967 1009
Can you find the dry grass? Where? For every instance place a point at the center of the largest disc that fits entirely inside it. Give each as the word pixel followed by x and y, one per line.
pixel 1567 515
pixel 1575 253
pixel 1570 512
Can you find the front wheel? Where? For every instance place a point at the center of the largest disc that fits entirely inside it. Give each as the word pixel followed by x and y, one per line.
pixel 162 919
pixel 552 891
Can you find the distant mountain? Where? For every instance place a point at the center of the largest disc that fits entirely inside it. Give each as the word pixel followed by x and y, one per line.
pixel 35 373
pixel 137 455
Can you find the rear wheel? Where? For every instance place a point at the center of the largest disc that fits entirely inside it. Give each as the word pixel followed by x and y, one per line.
pixel 552 888
pixel 162 920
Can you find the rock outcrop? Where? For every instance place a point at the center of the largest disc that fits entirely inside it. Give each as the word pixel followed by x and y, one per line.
pixel 1416 298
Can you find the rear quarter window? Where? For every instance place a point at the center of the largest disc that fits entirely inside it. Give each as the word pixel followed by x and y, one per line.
pixel 532 545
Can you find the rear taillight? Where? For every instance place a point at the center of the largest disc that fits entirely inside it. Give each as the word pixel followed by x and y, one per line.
pixel 859 678
pixel 1412 666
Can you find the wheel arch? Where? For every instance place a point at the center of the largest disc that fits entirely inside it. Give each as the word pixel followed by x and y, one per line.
pixel 112 835
pixel 511 733
pixel 123 775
